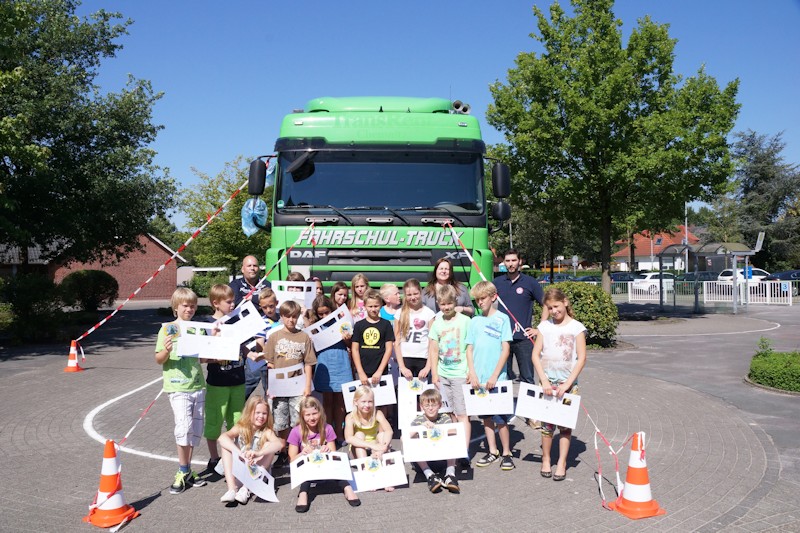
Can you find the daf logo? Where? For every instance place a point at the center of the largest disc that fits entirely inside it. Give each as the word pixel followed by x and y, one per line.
pixel 307 254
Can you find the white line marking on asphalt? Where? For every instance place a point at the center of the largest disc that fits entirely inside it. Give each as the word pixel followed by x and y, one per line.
pixel 88 427
pixel 774 326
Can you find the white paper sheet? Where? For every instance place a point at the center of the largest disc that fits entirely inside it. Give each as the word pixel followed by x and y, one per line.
pixel 532 403
pixel 197 340
pixel 302 292
pixel 383 391
pixel 319 466
pixel 497 401
pixel 257 480
pixel 248 326
pixel 329 330
pixel 371 474
pixel 282 382
pixel 445 441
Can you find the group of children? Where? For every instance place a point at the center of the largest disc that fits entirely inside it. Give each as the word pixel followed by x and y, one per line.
pixel 447 348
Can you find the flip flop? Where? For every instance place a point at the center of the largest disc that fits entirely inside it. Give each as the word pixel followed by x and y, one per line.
pixel 557 477
pixel 546 474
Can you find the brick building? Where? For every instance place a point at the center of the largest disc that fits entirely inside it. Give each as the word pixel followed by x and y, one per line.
pixel 134 270
pixel 647 247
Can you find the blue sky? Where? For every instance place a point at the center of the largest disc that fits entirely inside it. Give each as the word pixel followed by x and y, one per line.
pixel 230 70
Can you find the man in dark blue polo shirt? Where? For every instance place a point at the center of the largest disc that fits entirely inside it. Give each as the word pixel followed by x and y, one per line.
pixel 518 291
pixel 248 283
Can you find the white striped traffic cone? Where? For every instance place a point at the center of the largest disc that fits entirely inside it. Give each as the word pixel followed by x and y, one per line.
pixel 635 500
pixel 109 507
pixel 72 362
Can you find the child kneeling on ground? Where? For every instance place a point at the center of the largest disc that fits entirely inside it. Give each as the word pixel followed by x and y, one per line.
pixel 431 401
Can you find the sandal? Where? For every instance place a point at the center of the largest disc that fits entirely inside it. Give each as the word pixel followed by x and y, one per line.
pixel 546 474
pixel 559 478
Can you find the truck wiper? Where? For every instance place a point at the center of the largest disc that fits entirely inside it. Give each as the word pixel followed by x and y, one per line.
pixel 433 208
pixel 303 205
pixel 378 208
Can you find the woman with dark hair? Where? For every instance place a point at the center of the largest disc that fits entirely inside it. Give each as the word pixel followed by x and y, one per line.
pixel 443 275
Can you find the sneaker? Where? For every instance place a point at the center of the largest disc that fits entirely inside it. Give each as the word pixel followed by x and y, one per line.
pixel 451 484
pixel 212 464
pixel 180 483
pixel 228 497
pixel 243 495
pixel 507 463
pixel 434 483
pixel 193 479
pixel 488 459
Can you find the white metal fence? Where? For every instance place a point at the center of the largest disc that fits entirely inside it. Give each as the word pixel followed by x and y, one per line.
pixel 711 292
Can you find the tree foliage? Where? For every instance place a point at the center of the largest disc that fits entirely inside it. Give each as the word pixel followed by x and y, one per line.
pixel 610 133
pixel 75 169
pixel 768 190
pixel 223 243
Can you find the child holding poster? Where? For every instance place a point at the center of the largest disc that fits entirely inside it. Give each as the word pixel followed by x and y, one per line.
pixel 559 355
pixel 431 401
pixel 333 369
pixel 253 439
pixel 314 434
pixel 448 355
pixel 366 428
pixel 488 345
pixel 185 387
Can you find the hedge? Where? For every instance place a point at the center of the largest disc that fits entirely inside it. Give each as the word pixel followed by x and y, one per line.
pixel 593 308
pixel 779 370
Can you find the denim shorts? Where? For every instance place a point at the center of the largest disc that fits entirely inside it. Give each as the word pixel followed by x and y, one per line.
pixel 549 429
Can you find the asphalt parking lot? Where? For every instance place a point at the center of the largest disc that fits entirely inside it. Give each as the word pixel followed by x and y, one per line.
pixel 722 455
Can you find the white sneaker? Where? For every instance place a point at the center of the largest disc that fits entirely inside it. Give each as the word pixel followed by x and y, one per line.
pixel 228 497
pixel 243 495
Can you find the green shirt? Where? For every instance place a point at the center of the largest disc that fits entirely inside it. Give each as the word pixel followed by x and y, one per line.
pixel 451 336
pixel 181 374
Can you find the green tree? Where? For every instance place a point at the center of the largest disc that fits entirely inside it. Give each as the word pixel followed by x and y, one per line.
pixel 76 176
pixel 719 222
pixel 223 243
pixel 611 133
pixel 768 189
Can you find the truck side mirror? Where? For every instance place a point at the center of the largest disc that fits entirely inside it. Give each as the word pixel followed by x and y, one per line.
pixel 501 211
pixel 501 182
pixel 257 180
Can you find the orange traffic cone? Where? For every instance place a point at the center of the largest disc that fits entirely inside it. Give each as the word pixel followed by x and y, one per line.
pixel 109 507
pixel 72 362
pixel 635 500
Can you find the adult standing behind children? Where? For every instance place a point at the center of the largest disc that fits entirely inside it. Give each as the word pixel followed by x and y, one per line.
pixel 248 284
pixel 443 275
pixel 517 292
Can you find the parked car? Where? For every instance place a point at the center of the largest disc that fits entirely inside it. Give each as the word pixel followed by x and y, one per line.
pixel 727 275
pixel 651 282
pixel 787 275
pixel 557 278
pixel 597 279
pixel 622 276
pixel 707 275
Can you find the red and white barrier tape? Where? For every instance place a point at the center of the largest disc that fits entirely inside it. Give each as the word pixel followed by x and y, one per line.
pixel 162 267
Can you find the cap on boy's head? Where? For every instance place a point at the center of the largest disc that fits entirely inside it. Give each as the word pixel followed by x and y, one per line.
pixel 180 296
pixel 219 292
pixel 446 294
pixel 430 395
pixel 373 294
pixel 483 289
pixel 290 308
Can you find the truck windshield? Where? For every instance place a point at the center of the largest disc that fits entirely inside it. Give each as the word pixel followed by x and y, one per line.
pixel 392 179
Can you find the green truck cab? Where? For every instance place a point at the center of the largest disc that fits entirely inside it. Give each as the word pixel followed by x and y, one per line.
pixel 381 180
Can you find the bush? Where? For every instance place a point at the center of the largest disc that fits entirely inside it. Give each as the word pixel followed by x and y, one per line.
pixel 593 308
pixel 779 370
pixel 36 307
pixel 89 289
pixel 200 284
